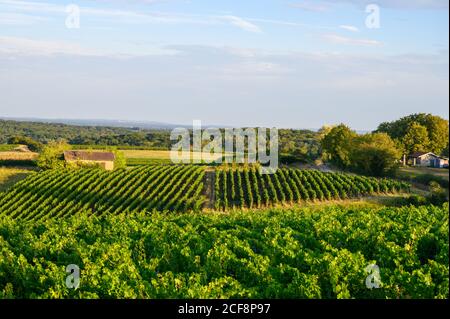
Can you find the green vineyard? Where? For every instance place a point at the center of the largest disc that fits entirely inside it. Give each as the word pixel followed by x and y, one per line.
pixel 276 253
pixel 176 188
pixel 239 188
pixel 61 193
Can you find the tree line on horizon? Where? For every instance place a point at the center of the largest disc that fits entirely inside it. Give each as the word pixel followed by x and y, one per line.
pixel 376 153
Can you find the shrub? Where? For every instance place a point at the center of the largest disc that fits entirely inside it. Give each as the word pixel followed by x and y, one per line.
pixel 51 156
pixel 426 179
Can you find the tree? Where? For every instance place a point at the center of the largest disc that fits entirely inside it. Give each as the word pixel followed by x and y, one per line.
pixel 438 195
pixel 51 156
pixel 445 152
pixel 32 145
pixel 438 133
pixel 375 154
pixel 437 129
pixel 337 145
pixel 324 130
pixel 120 160
pixel 416 138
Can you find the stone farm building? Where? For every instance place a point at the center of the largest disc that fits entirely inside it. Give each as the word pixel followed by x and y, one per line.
pixel 427 160
pixel 103 159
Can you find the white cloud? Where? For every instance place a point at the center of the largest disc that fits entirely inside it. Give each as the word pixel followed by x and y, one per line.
pixel 337 39
pixel 290 24
pixel 243 24
pixel 133 17
pixel 218 85
pixel 24 46
pixel 9 18
pixel 123 15
pixel 33 6
pixel 258 70
pixel 17 46
pixel 326 5
pixel 349 28
pixel 400 4
pixel 309 6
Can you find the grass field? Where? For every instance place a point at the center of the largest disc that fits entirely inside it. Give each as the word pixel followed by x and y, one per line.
pixel 413 172
pixel 121 147
pixel 18 156
pixel 152 157
pixel 137 157
pixel 18 159
pixel 147 161
pixel 147 154
pixel 165 155
pixel 10 176
pixel 160 155
pixel 7 147
pixel 421 177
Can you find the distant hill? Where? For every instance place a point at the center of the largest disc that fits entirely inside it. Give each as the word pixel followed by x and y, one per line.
pixel 142 125
pixel 83 133
pixel 148 125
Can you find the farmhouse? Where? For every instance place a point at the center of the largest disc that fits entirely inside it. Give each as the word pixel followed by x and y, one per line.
pixel 103 159
pixel 427 160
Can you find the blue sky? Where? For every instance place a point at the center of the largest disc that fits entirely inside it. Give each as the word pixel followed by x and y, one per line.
pixel 254 62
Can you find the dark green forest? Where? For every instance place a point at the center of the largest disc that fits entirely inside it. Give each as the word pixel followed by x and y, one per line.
pixel 302 145
pixel 83 135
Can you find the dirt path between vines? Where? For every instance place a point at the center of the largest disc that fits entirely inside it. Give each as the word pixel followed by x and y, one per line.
pixel 210 181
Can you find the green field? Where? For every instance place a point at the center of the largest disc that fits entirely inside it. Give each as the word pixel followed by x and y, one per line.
pixel 120 147
pixel 141 156
pixel 164 155
pixel 62 193
pixel 239 188
pixel 281 253
pixel 176 188
pixel 9 157
pixel 158 231
pixel 421 177
pixel 413 172
pixel 147 161
pixel 10 176
pixel 7 147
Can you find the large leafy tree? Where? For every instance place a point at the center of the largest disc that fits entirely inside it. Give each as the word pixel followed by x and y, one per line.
pixel 337 145
pixel 375 154
pixel 416 138
pixel 437 129
pixel 438 133
pixel 445 152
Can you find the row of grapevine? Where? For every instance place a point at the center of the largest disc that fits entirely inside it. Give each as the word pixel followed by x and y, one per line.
pixel 62 193
pixel 176 188
pixel 250 189
pixel 287 253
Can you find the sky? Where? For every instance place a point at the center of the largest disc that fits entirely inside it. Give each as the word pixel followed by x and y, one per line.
pixel 272 63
